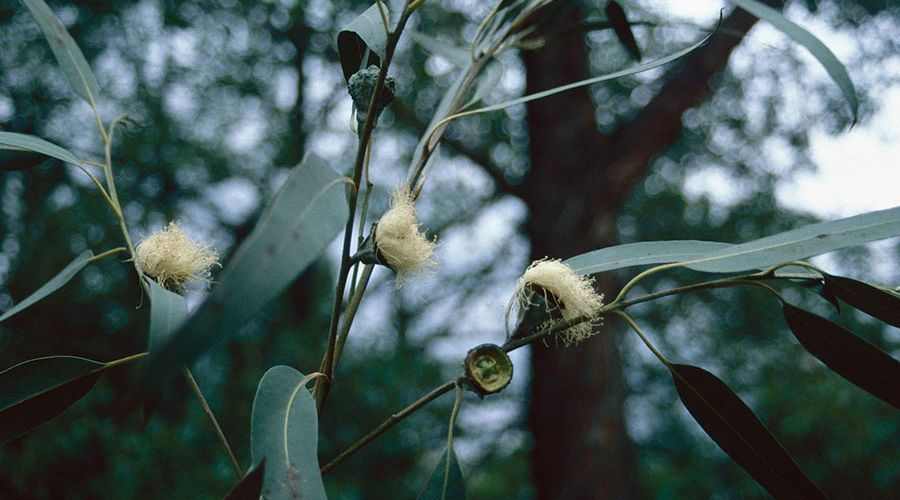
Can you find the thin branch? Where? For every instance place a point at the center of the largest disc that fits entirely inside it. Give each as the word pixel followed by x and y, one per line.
pixel 323 385
pixel 390 422
pixel 212 419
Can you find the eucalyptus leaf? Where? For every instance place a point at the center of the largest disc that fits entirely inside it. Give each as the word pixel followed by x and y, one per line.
pixel 440 485
pixel 24 142
pixel 806 241
pixel 870 299
pixel 823 54
pixel 284 433
pixel 590 81
pixel 72 62
pixel 737 430
pixel 51 286
pixel 363 42
pixel 487 81
pixel 303 217
pixel 168 310
pixel 848 355
pixel 457 56
pixel 619 22
pixel 250 486
pixel 34 391
pixel 642 253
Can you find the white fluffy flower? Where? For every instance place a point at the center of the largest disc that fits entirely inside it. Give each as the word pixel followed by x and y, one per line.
pixel 398 239
pixel 575 295
pixel 171 258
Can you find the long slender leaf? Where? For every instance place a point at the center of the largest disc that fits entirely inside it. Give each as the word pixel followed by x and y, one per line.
pixel 619 21
pixel 72 62
pixel 362 42
pixel 869 299
pixel 303 217
pixel 16 141
pixel 642 253
pixel 168 310
pixel 590 81
pixel 284 432
pixel 455 483
pixel 737 430
pixel 487 81
pixel 829 61
pixel 250 486
pixel 457 56
pixel 802 242
pixel 37 390
pixel 848 355
pixel 51 286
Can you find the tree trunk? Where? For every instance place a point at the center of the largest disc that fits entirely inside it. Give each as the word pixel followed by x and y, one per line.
pixel 578 181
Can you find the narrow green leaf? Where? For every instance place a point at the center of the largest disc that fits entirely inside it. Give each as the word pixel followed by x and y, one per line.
pixel 72 62
pixel 737 430
pixel 874 301
pixel 440 486
pixel 24 142
pixel 848 355
pixel 37 390
pixel 590 81
pixel 51 286
pixel 284 432
pixel 168 310
pixel 619 21
pixel 250 486
pixel 487 81
pixel 815 47
pixel 641 254
pixel 457 56
pixel 818 285
pixel 363 42
pixel 801 243
pixel 303 217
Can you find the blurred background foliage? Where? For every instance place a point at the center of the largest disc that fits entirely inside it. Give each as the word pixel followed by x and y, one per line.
pixel 224 96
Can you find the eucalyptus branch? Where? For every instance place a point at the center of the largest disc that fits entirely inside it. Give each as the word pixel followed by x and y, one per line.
pixel 390 422
pixel 352 308
pixel 212 419
pixel 323 385
pixel 644 338
pixel 109 201
pixel 106 254
pixel 749 279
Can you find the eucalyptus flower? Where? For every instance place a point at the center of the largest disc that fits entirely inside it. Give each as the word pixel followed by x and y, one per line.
pixel 398 240
pixel 566 296
pixel 172 258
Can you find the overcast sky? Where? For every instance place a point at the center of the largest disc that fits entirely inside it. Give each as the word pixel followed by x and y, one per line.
pixel 859 169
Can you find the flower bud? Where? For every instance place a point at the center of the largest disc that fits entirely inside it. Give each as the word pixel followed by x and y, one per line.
pixel 549 291
pixel 171 258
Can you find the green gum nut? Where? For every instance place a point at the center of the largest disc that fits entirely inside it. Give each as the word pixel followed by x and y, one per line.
pixel 488 369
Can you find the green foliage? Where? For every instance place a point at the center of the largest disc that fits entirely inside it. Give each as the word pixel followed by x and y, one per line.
pixel 14 141
pixel 284 433
pixel 300 221
pixel 303 218
pixel 446 481
pixel 52 285
pixel 848 355
pixel 34 391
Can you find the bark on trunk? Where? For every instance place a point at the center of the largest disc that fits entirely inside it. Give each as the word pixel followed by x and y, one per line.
pixel 578 182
